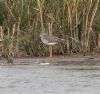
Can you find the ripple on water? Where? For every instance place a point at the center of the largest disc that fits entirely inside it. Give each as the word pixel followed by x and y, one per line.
pixel 50 79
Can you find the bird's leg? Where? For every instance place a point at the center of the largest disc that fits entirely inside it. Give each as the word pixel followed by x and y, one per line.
pixel 50 51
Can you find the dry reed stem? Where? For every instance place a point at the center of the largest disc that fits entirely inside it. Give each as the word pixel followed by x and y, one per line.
pixel 41 11
pixel 1 39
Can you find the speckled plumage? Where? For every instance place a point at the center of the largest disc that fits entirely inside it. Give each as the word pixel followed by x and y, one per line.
pixel 49 39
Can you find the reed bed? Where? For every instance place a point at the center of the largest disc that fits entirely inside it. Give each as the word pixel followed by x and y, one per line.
pixel 77 21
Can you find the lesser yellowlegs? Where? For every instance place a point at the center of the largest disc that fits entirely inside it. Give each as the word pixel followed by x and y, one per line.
pixel 50 40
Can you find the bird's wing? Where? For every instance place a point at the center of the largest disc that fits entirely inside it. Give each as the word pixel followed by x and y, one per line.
pixel 52 38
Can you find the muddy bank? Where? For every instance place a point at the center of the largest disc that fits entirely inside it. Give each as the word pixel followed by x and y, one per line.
pixel 86 60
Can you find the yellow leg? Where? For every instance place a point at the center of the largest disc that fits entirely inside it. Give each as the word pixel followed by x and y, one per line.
pixel 50 51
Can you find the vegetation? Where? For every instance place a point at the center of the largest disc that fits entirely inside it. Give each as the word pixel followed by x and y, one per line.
pixel 77 21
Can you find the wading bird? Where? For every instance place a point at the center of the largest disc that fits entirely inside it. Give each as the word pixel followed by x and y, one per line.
pixel 50 40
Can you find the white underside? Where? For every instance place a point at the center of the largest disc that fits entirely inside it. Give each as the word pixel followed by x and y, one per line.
pixel 48 43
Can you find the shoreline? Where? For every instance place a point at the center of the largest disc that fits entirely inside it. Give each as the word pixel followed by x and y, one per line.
pixel 58 60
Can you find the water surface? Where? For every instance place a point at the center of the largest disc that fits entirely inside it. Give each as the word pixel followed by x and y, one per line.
pixel 49 79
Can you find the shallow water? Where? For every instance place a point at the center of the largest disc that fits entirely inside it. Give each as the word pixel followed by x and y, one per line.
pixel 49 79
